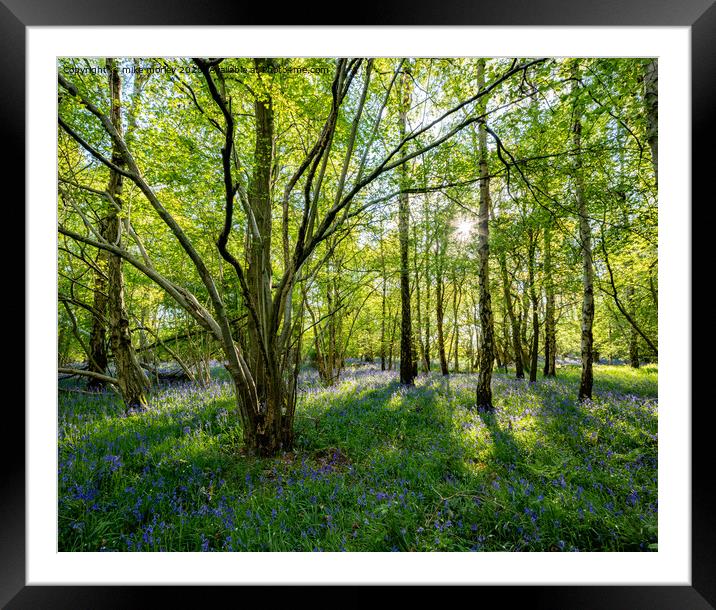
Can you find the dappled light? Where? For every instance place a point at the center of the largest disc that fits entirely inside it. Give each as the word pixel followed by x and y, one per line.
pixel 357 304
pixel 376 467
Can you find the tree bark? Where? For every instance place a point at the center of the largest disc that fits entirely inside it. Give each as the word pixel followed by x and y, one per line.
pixel 651 101
pixel 476 325
pixel 585 239
pixel 271 406
pixel 550 331
pixel 383 300
pixel 394 324
pixel 382 322
pixel 456 298
pixel 130 376
pixel 483 393
pixel 91 374
pixel 524 325
pixel 407 368
pixel 98 339
pixel 419 320
pixel 533 298
pixel 428 302
pixel 505 341
pixel 440 312
pixel 514 321
pixel 259 251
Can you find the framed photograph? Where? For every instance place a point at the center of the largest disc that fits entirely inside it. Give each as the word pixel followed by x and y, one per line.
pixel 97 97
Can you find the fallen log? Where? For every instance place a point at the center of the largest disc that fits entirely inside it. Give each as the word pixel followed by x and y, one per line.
pixel 171 374
pixel 71 372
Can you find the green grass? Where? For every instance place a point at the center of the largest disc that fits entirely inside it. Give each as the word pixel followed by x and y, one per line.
pixel 376 467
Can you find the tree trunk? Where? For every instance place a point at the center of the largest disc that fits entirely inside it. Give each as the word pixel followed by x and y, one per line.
pixel 259 251
pixel 394 320
pixel 62 346
pixel 267 432
pixel 633 335
pixel 332 360
pixel 407 369
pixel 382 330
pixel 383 301
pixel 98 339
pixel 456 298
pixel 427 323
pixel 505 341
pixel 585 238
pixel 470 351
pixel 550 331
pixel 419 325
pixel 476 325
pixel 514 321
pixel 269 409
pixel 440 315
pixel 533 298
pixel 132 380
pixel 524 324
pixel 498 356
pixel 651 101
pixel 483 393
pixel 428 302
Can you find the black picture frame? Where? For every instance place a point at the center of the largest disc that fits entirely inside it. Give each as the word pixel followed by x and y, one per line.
pixel 699 15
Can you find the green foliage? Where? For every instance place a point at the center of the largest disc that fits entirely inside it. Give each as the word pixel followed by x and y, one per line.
pixel 375 466
pixel 171 120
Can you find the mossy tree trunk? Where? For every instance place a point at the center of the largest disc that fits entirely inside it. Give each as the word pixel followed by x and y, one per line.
pixel 98 332
pixel 132 380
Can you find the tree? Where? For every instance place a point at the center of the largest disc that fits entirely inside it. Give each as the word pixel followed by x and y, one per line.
pixel 319 157
pixel 651 103
pixel 407 367
pixel 585 241
pixel 550 331
pixel 483 393
pixel 440 246
pixel 514 322
pixel 532 246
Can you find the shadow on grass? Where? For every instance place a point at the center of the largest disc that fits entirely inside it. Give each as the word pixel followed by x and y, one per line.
pixel 368 444
pixel 506 447
pixel 385 429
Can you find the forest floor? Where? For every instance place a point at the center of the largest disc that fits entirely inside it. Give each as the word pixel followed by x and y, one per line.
pixel 376 467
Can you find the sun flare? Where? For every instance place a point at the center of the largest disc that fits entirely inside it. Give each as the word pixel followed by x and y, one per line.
pixel 463 229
